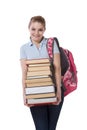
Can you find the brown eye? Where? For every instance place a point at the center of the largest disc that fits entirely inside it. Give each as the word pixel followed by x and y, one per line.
pixel 33 29
pixel 40 30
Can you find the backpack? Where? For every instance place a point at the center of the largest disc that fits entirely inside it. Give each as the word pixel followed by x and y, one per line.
pixel 68 67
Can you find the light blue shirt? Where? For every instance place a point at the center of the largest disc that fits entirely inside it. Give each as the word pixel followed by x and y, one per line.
pixel 30 51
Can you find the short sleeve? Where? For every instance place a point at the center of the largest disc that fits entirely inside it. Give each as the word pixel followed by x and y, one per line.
pixel 56 49
pixel 22 53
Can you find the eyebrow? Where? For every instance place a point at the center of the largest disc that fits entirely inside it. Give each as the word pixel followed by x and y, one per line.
pixel 38 29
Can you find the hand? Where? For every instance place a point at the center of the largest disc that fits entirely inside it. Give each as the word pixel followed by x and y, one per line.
pixel 25 102
pixel 58 95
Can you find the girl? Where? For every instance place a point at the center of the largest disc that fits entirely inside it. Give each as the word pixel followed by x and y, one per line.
pixel 45 116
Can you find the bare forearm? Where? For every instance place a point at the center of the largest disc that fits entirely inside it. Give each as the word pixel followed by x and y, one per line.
pixel 23 79
pixel 24 72
pixel 58 78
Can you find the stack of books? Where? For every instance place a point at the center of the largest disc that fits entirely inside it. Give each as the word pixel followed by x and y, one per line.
pixel 39 86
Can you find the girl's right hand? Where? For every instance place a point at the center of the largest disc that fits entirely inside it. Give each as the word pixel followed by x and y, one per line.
pixel 25 102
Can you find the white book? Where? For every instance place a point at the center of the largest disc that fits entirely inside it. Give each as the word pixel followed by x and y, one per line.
pixel 42 100
pixel 38 90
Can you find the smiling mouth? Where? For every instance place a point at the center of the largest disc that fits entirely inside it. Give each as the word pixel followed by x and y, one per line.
pixel 36 36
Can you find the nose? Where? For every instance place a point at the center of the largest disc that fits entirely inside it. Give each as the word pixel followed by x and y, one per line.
pixel 37 32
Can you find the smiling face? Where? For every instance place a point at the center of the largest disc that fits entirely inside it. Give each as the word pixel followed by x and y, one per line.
pixel 36 31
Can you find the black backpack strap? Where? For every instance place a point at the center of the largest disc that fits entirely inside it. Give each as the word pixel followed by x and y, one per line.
pixel 63 58
pixel 57 42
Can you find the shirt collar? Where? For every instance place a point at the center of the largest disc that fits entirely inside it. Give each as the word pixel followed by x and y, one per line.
pixel 30 42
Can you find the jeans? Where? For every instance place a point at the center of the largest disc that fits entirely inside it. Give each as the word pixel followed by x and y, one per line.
pixel 45 117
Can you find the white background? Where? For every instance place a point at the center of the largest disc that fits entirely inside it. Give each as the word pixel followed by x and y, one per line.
pixel 66 19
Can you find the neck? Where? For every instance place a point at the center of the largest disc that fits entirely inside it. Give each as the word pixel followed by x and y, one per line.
pixel 36 42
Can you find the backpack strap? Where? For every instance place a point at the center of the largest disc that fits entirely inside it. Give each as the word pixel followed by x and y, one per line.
pixel 50 45
pixel 63 57
pixel 57 42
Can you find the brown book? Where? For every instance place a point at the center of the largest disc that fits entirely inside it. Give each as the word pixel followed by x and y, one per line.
pixel 38 73
pixel 38 68
pixel 40 95
pixel 37 61
pixel 39 84
pixel 36 80
pixel 38 65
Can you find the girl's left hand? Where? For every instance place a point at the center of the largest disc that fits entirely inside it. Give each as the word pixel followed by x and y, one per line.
pixel 58 94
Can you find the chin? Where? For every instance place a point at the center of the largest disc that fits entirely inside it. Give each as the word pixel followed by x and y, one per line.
pixel 37 39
